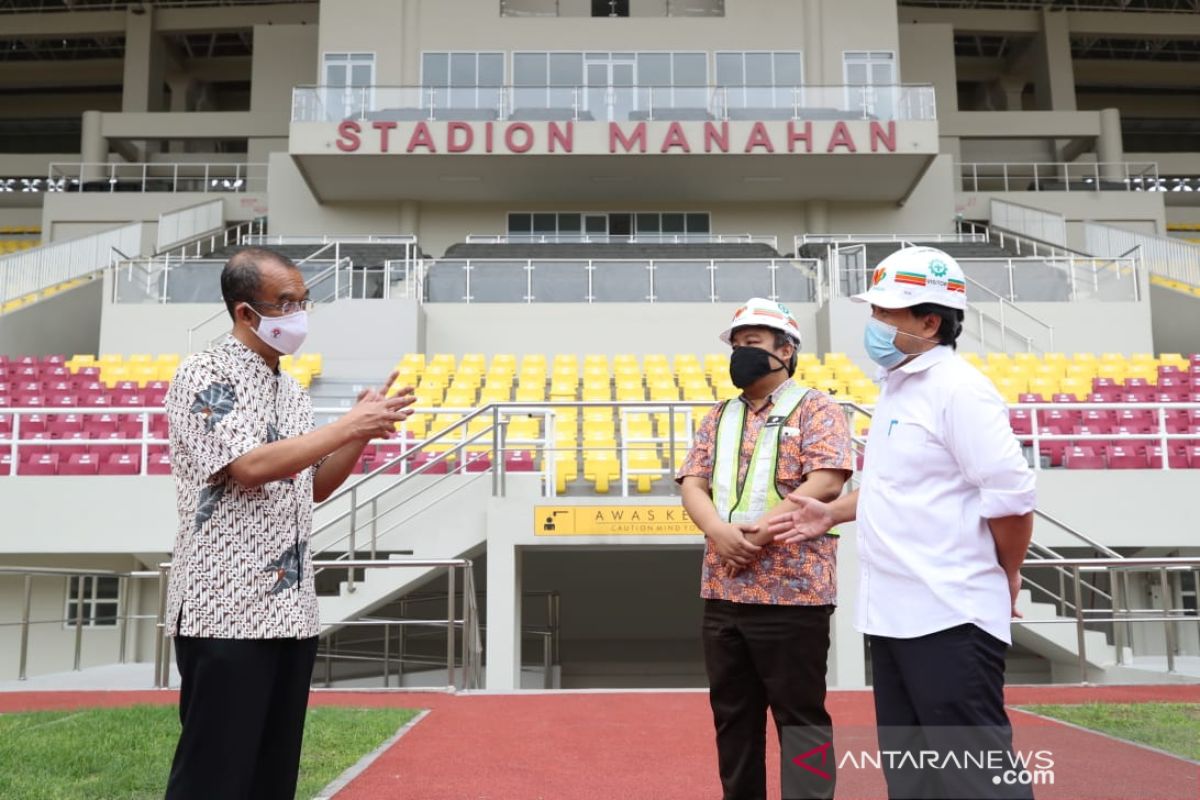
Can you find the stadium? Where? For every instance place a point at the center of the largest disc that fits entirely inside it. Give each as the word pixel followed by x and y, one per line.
pixel 542 214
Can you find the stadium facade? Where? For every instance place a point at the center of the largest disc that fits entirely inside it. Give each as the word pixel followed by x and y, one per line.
pixel 559 204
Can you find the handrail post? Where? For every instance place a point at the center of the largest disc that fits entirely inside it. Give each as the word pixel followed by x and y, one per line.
pixel 452 679
pixel 1168 625
pixel 122 619
pixel 1080 639
pixel 1117 613
pixel 162 669
pixel 353 526
pixel 24 654
pixel 78 620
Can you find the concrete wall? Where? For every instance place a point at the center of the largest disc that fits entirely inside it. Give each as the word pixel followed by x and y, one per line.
pixel 1116 208
pixel 396 32
pixel 611 328
pixel 1176 321
pixel 284 56
pixel 70 215
pixel 66 323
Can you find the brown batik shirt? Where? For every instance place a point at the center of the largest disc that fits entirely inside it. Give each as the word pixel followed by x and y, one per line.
pixel 241 565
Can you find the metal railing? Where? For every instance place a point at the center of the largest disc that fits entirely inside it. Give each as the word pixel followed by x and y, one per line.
pixel 1084 176
pixel 612 238
pixel 39 268
pixel 957 237
pixel 553 8
pixel 1121 614
pixel 189 224
pixel 612 103
pixel 591 280
pixel 468 623
pixel 265 240
pixel 120 620
pixel 1171 258
pixel 1045 226
pixel 116 5
pixel 156 176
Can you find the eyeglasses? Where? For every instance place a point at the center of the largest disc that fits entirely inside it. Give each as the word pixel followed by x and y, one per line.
pixel 290 307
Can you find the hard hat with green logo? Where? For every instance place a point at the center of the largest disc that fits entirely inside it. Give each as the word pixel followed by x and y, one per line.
pixel 759 312
pixel 914 275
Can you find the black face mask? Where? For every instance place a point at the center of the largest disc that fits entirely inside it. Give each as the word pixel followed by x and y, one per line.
pixel 748 364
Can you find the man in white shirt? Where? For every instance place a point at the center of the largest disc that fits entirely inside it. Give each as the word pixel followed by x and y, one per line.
pixel 944 515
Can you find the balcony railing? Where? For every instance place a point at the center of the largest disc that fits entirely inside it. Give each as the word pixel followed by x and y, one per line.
pixel 611 103
pixel 155 177
pixel 1119 176
pixel 554 8
pixel 562 237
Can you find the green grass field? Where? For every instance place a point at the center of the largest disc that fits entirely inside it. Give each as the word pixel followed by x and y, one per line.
pixel 1167 726
pixel 126 752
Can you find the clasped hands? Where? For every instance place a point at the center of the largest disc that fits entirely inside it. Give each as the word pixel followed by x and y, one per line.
pixel 738 544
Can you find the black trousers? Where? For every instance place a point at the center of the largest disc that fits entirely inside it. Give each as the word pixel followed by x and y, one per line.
pixel 756 656
pixel 242 706
pixel 943 692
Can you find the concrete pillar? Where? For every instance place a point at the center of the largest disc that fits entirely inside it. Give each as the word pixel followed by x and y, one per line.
pixel 503 613
pixel 410 31
pixel 817 216
pixel 93 146
pixel 145 63
pixel 410 217
pixel 1054 83
pixel 1110 149
pixel 1011 90
pixel 814 50
pixel 183 90
pixel 847 664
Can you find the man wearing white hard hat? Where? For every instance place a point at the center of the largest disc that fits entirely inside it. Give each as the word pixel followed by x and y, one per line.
pixel 767 605
pixel 944 516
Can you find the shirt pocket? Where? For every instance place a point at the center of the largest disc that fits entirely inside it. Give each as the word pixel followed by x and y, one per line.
pixel 908 448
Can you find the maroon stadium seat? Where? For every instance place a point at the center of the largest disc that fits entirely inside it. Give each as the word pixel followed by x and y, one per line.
pixel 1083 458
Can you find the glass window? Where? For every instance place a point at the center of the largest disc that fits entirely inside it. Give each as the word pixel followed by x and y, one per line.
pixel 435 69
pixel 690 69
pixel 529 69
pixel 647 223
pixel 730 69
pixel 545 223
pixel 758 69
pixel 569 223
pixel 697 223
pixel 566 69
pixel 788 69
pixel 99 606
pixel 520 223
pixel 673 223
pixel 596 223
pixel 491 69
pixel 654 69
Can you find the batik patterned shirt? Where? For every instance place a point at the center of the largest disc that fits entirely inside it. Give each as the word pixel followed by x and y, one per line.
pixel 241 564
pixel 815 436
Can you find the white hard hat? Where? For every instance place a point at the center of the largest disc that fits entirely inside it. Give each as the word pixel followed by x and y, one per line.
pixel 763 313
pixel 914 275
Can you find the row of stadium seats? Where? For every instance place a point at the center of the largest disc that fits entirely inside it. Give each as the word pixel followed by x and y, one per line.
pixel 17 245
pixel 33 297
pixel 1171 283
pixel 20 230
pixel 117 371
pixel 441 381
pixel 1024 376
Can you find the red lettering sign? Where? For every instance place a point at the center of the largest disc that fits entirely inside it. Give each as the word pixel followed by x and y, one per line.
pixel 617 136
pixel 675 138
pixel 453 143
pixel 510 139
pixel 878 136
pixel 348 132
pixel 384 129
pixel 564 138
pixel 714 137
pixel 760 138
pixel 421 137
pixel 794 137
pixel 841 138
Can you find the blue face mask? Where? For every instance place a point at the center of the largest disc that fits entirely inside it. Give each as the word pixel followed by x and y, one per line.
pixel 880 340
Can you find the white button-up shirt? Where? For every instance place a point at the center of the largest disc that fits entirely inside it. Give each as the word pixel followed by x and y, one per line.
pixel 941 460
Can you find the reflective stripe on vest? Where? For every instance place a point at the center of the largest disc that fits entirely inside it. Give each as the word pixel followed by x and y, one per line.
pixel 759 492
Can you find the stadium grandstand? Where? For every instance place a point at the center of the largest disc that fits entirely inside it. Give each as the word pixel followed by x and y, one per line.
pixel 542 213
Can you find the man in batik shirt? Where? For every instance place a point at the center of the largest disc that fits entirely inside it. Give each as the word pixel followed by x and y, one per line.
pixel 248 466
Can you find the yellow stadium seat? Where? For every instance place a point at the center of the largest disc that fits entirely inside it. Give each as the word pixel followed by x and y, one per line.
pixel 1045 386
pixel 1079 387
pixel 601 467
pixel 643 457
pixel 78 361
pixel 531 393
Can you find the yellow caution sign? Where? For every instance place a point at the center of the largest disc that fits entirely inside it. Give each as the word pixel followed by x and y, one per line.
pixel 609 520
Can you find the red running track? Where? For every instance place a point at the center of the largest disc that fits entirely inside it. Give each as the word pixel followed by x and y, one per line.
pixel 659 745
